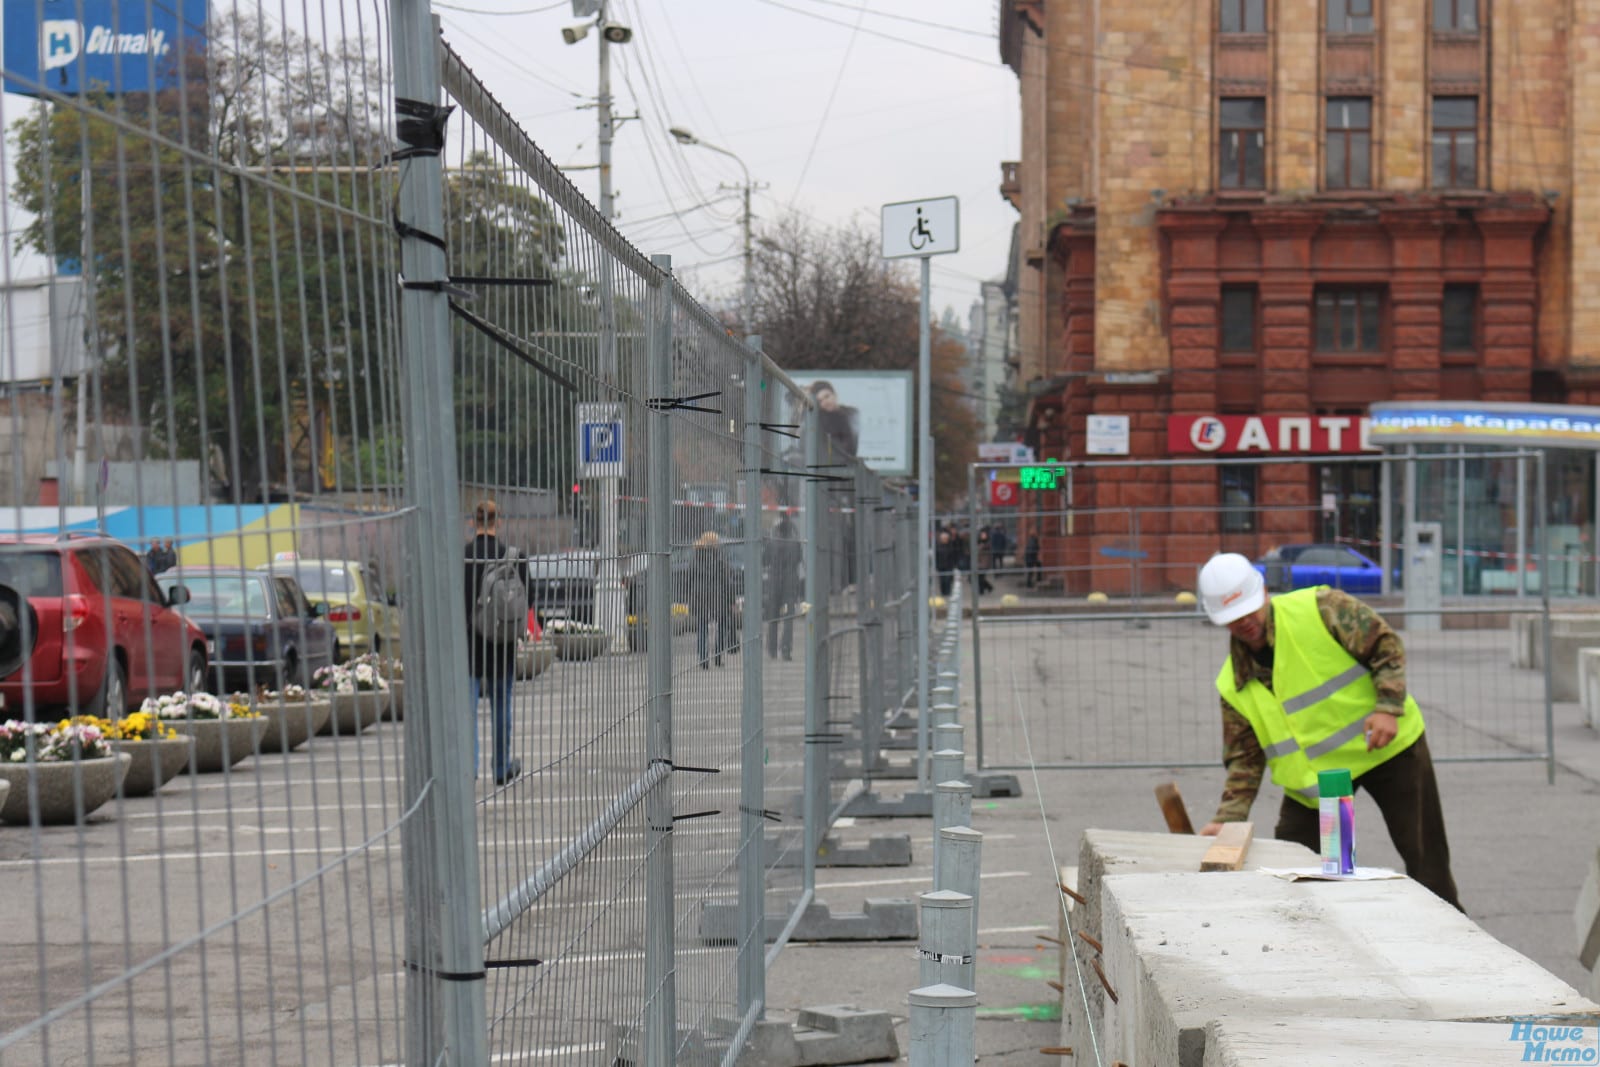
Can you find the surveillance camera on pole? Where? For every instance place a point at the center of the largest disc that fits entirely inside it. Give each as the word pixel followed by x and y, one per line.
pixel 574 34
pixel 616 33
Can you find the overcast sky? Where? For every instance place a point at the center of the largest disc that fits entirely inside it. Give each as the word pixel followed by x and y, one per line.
pixel 837 106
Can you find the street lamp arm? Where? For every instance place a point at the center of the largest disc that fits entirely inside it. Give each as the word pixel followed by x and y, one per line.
pixel 683 136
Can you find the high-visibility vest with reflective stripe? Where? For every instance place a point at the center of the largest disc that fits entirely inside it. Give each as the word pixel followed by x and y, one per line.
pixel 1314 716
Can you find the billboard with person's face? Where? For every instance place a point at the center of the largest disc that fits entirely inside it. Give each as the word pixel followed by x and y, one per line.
pixel 864 414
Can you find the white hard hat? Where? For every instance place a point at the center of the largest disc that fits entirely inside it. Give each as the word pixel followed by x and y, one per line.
pixel 1231 588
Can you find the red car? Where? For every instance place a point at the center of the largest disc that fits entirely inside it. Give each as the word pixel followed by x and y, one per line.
pixel 108 636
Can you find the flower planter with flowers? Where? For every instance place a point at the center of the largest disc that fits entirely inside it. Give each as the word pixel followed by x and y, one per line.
pixel 67 768
pixel 359 696
pixel 293 715
pixel 577 640
pixel 534 658
pixel 223 732
pixel 392 671
pixel 159 753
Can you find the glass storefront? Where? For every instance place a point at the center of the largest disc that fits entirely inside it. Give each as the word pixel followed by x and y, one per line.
pixel 1490 544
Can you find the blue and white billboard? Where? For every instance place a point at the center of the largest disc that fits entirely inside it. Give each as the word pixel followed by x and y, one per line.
pixel 105 46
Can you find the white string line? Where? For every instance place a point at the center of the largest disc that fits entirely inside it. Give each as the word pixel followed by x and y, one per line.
pixel 1070 946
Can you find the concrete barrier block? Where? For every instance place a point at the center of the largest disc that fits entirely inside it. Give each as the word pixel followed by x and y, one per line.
pixel 1315 1042
pixel 1526 641
pixel 1103 852
pixel 1589 685
pixel 880 919
pixel 1182 950
pixel 1586 917
pixel 1569 636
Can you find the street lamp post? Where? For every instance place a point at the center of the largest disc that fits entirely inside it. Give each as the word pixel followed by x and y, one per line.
pixel 609 604
pixel 747 299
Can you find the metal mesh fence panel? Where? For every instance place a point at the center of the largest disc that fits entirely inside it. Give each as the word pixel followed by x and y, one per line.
pixel 221 521
pixel 417 819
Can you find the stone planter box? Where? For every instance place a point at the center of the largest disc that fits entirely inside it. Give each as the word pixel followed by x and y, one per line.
pixel 291 724
pixel 354 712
pixel 155 763
pixel 535 659
pixel 220 743
pixel 396 709
pixel 58 785
pixel 580 646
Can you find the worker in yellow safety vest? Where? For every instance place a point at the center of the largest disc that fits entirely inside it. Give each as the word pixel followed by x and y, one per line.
pixel 1315 681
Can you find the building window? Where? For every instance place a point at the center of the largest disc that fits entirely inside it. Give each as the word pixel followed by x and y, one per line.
pixel 1455 16
pixel 1349 16
pixel 1455 142
pixel 1459 319
pixel 1239 319
pixel 1349 142
pixel 1237 485
pixel 1242 144
pixel 1246 16
pixel 1348 320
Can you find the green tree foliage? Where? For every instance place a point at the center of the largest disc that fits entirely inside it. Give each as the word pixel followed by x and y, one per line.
pixel 826 299
pixel 237 246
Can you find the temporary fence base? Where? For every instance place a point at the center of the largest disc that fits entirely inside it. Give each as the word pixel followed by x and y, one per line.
pixel 994 784
pixel 834 1034
pixel 626 1046
pixel 880 850
pixel 904 719
pixel 900 742
pixel 887 770
pixel 879 920
pixel 913 805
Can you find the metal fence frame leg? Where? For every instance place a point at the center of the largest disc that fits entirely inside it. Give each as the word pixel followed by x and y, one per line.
pixel 661 1008
pixel 752 784
pixel 446 1017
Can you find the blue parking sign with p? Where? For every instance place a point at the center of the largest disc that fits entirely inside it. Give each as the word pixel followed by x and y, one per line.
pixel 600 441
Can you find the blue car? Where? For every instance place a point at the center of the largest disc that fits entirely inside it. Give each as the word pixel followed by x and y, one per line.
pixel 1299 566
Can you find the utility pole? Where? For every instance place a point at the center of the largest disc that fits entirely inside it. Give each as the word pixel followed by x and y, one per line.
pixel 606 203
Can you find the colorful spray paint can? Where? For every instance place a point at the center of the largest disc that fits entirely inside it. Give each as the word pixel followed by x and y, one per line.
pixel 1336 807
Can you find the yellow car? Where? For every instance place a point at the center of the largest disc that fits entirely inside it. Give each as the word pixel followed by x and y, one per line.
pixel 363 619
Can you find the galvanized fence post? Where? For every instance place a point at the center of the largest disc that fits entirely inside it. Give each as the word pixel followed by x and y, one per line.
pixel 752 738
pixel 660 1017
pixel 814 803
pixel 866 612
pixel 446 1017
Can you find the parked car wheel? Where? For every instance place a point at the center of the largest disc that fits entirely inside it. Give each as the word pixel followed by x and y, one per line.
pixel 196 677
pixel 113 698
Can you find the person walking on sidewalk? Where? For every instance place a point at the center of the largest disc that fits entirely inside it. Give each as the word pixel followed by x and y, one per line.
pixel 711 593
pixel 492 655
pixel 1315 680
pixel 1033 561
pixel 783 557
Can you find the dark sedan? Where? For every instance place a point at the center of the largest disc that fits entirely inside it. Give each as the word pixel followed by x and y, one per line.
pixel 261 629
pixel 1300 566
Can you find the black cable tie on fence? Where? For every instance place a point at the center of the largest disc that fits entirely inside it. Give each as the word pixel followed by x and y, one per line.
pixel 696 770
pixel 776 473
pixel 764 813
pixel 824 739
pixel 478 279
pixel 420 127
pixel 529 962
pixel 405 229
pixel 696 815
pixel 782 428
pixel 436 287
pixel 682 403
pixel 509 343
pixel 448 976
pixel 825 466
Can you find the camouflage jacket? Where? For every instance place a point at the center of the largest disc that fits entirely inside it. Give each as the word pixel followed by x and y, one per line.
pixel 1363 633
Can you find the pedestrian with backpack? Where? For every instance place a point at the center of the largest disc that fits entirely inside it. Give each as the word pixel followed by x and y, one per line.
pixel 497 615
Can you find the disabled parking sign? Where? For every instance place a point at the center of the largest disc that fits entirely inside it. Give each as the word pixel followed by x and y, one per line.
pixel 600 441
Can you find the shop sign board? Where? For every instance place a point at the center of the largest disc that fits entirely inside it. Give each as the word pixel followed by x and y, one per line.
pixel 1268 435
pixel 1004 452
pixel 1106 435
pixel 1002 494
pixel 1473 423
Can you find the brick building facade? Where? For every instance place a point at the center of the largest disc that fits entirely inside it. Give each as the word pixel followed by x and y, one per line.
pixel 1286 210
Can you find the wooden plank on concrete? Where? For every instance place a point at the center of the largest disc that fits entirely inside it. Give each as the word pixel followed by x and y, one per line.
pixel 1230 847
pixel 1172 808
